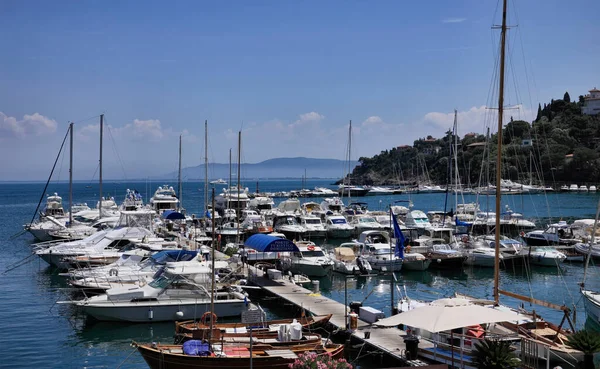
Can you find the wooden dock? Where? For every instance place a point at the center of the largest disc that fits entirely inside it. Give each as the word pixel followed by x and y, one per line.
pixel 387 340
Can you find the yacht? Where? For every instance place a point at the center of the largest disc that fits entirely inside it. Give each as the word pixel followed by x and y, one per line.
pixel 254 223
pixel 164 198
pixel 337 227
pixel 380 191
pixel 323 192
pixel 352 191
pixel 51 218
pixel 311 260
pixel 362 223
pixel 313 225
pixel 219 181
pixel 346 261
pixel 555 234
pixel 289 206
pixel 418 220
pixel 333 205
pixel 288 225
pixel 379 242
pixel 169 297
pixel 545 256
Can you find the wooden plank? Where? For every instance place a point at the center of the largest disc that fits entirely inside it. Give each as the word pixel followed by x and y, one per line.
pixel 532 300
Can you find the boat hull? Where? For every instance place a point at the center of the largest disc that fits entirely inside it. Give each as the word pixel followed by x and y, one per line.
pixel 339 233
pixel 591 302
pixel 416 264
pixel 312 270
pixel 161 311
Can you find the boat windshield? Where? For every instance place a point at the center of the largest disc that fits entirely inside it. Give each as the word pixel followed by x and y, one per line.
pixel 312 254
pixel 338 221
pixel 161 282
pixel 312 221
pixel 442 247
pixel 367 220
pixel 381 251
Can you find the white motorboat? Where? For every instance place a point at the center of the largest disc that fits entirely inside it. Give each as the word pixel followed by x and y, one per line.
pixel 288 225
pixel 337 227
pixel 584 249
pixel 80 231
pixel 378 246
pixel 333 205
pixel 310 261
pixel 418 220
pixel 481 257
pixel 169 297
pixel 164 198
pixel 254 223
pixel 346 261
pixel 591 302
pixel 289 206
pixel 362 223
pixel 545 256
pixel 323 192
pixel 219 181
pixel 313 225
pixel 380 191
pixel 352 191
pixel 555 234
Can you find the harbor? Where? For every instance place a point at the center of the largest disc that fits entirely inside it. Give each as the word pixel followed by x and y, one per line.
pixel 334 291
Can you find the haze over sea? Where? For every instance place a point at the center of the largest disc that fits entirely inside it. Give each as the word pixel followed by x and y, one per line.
pixel 39 333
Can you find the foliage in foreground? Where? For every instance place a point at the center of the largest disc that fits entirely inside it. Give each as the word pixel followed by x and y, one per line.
pixel 312 361
pixel 491 354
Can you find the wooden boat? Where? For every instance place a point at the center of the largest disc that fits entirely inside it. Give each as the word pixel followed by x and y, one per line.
pixel 308 323
pixel 231 356
pixel 258 337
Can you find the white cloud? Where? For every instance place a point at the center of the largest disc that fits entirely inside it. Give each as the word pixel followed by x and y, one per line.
pixel 454 20
pixel 372 120
pixel 476 119
pixel 313 116
pixel 31 125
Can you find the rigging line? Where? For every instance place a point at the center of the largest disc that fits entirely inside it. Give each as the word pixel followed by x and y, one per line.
pixel 50 177
pixel 112 140
pixel 62 162
pixel 87 119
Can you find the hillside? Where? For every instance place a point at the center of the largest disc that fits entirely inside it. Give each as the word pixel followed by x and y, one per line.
pixel 271 168
pixel 561 146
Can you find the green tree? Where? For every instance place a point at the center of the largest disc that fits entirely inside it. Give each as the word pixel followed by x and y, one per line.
pixel 567 98
pixel 587 342
pixel 539 113
pixel 492 354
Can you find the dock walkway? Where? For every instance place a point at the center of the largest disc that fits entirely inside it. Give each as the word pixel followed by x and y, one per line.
pixel 387 340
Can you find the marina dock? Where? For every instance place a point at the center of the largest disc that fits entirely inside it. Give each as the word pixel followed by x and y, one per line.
pixel 387 340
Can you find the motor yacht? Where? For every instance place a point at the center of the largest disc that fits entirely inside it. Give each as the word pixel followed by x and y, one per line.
pixel 362 223
pixel 164 198
pixel 288 225
pixel 545 256
pixel 337 227
pixel 379 242
pixel 333 205
pixel 311 260
pixel 346 260
pixel 169 297
pixel 313 225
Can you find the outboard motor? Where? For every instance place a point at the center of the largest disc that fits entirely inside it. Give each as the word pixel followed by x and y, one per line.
pixel 363 265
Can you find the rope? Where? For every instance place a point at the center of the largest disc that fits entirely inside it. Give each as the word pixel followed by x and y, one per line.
pixel 128 356
pixel 18 264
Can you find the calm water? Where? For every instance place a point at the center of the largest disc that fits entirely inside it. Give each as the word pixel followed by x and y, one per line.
pixel 39 333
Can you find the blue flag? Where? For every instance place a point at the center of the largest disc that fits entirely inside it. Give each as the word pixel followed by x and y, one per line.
pixel 399 251
pixel 208 214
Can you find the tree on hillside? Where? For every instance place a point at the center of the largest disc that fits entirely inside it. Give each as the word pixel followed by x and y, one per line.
pixel 567 98
pixel 539 113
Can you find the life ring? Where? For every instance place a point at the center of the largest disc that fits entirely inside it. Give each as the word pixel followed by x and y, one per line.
pixel 310 248
pixel 208 316
pixel 522 234
pixel 114 272
pixel 465 239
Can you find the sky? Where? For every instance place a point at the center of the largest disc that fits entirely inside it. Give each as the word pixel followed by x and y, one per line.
pixel 289 74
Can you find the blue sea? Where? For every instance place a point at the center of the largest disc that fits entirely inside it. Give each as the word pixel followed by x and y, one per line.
pixel 38 332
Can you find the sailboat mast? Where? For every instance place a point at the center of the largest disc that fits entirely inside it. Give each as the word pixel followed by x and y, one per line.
pixel 179 184
pixel 100 166
pixel 349 154
pixel 212 260
pixel 205 166
pixel 239 212
pixel 230 174
pixel 71 176
pixel 499 158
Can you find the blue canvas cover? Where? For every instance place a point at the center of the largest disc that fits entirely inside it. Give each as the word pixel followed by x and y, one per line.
pixel 162 257
pixel 196 348
pixel 172 215
pixel 266 243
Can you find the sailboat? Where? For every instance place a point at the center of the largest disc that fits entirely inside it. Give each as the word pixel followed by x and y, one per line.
pixel 347 188
pixel 591 299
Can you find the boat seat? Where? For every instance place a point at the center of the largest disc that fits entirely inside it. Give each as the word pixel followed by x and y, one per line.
pixel 288 354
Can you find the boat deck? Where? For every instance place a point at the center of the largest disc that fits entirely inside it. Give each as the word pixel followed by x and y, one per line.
pixel 387 340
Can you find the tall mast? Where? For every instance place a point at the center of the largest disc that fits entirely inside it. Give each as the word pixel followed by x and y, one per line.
pixel 71 176
pixel 239 215
pixel 212 259
pixel 179 184
pixel 100 165
pixel 205 166
pixel 230 174
pixel 499 158
pixel 349 152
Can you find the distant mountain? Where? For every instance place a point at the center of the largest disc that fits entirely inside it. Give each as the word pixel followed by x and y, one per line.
pixel 271 168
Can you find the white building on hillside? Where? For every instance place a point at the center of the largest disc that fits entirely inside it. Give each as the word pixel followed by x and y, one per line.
pixel 592 103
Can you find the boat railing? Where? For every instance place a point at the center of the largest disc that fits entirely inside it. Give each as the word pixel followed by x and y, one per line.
pixel 46 244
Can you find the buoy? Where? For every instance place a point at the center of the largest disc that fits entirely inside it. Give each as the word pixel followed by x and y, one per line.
pixel 179 314
pixel 439 260
pixel 150 314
